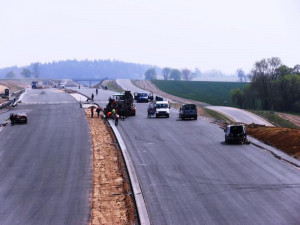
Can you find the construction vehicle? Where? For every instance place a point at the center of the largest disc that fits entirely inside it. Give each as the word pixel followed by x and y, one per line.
pixel 34 84
pixel 122 103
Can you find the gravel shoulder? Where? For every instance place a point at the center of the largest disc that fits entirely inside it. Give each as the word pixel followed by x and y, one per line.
pixel 111 201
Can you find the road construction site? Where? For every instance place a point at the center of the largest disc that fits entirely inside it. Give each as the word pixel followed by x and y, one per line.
pixel 185 171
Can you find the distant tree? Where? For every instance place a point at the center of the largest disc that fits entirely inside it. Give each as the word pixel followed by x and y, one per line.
pixel 150 74
pixel 35 69
pixel 175 74
pixel 26 73
pixel 10 75
pixel 296 69
pixel 186 74
pixel 197 72
pixel 288 89
pixel 237 97
pixel 241 75
pixel 249 97
pixel 263 75
pixel 166 72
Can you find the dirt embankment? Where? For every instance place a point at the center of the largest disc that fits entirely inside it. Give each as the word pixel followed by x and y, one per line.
pixel 111 200
pixel 286 139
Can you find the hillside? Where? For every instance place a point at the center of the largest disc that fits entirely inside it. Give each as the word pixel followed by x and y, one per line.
pixel 215 93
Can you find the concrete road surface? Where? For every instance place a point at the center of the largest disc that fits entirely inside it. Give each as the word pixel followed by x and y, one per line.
pixel 46 165
pixel 127 85
pixel 189 175
pixel 240 115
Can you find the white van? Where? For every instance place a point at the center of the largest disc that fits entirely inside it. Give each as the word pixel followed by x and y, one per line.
pixel 162 109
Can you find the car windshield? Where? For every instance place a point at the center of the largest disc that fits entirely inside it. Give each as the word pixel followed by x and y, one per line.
pixel 236 129
pixel 160 106
pixel 143 94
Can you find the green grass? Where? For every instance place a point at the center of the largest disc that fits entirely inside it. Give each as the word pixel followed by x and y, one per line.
pixel 217 115
pixel 214 93
pixel 274 119
pixel 112 86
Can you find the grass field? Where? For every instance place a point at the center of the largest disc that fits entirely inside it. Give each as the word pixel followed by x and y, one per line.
pixel 274 119
pixel 214 93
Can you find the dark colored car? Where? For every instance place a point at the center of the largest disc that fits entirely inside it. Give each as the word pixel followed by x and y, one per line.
pixel 21 118
pixel 142 97
pixel 188 111
pixel 235 133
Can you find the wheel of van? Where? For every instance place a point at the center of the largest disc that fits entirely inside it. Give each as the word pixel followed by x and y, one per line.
pixel 195 117
pixel 168 116
pixel 182 117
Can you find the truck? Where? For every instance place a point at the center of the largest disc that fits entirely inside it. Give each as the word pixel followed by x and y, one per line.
pixel 34 84
pixel 122 103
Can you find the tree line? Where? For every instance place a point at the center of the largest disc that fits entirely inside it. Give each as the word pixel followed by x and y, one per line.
pixel 73 69
pixel 273 86
pixel 172 74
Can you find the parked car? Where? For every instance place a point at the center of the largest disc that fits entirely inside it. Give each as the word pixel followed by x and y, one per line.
pixel 188 111
pixel 20 118
pixel 235 133
pixel 162 108
pixel 142 97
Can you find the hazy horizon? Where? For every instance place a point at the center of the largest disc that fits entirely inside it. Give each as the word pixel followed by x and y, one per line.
pixel 209 35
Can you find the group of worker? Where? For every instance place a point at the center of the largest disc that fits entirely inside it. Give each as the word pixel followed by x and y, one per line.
pixel 98 109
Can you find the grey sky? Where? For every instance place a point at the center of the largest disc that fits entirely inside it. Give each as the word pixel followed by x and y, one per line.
pixel 206 34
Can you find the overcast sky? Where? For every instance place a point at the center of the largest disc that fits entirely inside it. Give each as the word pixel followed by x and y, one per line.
pixel 208 34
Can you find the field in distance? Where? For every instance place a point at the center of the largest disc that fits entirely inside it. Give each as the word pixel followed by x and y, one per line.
pixel 214 93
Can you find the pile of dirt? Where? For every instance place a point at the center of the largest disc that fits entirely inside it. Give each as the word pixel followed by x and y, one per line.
pixel 111 201
pixel 286 139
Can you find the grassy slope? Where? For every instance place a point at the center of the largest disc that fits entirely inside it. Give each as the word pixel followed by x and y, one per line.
pixel 274 119
pixel 215 93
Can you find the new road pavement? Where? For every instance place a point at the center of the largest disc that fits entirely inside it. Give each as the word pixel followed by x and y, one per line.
pixel 238 115
pixel 190 176
pixel 46 164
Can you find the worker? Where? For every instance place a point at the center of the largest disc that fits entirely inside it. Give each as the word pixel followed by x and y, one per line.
pixel 96 91
pixel 98 111
pixel 92 111
pixel 92 97
pixel 12 119
pixel 113 112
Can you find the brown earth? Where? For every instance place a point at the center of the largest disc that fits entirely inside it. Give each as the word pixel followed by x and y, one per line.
pixel 14 85
pixel 111 199
pixel 286 139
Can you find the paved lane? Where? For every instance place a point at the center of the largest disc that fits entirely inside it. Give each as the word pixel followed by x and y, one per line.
pixel 240 115
pixel 45 166
pixel 190 176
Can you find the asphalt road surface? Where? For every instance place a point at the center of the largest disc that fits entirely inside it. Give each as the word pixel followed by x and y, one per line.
pixel 190 176
pixel 240 115
pixel 46 165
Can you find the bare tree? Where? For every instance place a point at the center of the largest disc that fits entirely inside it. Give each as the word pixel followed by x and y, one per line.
pixel 166 72
pixel 186 74
pixel 35 69
pixel 241 75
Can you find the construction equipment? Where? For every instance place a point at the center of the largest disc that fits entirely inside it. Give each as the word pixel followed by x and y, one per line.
pixel 122 103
